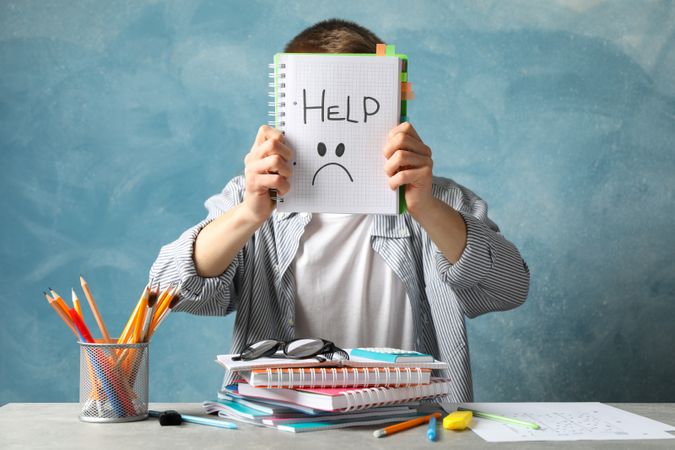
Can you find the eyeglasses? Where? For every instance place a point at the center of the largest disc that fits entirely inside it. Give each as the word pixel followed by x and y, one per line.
pixel 296 349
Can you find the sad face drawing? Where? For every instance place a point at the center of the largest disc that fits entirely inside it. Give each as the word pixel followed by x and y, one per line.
pixel 339 151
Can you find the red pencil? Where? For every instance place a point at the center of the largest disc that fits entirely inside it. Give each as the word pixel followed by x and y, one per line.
pixel 81 327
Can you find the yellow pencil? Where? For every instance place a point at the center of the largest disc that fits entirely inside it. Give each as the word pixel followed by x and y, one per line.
pixel 172 304
pixel 161 307
pixel 128 328
pixel 140 319
pixel 94 309
pixel 76 302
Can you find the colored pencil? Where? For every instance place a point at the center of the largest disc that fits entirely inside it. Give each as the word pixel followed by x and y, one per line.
pixel 65 317
pixel 94 309
pixel 405 425
pixel 128 329
pixel 81 327
pixel 62 304
pixel 152 302
pixel 166 301
pixel 76 302
pixel 174 301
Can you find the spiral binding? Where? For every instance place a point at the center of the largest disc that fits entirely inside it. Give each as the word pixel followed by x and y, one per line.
pixel 279 91
pixel 333 377
pixel 380 396
pixel 278 86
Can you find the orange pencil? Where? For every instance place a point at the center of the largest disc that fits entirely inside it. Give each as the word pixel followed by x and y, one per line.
pixel 94 309
pixel 66 319
pixel 128 328
pixel 140 319
pixel 62 304
pixel 160 302
pixel 152 302
pixel 172 304
pixel 161 307
pixel 405 425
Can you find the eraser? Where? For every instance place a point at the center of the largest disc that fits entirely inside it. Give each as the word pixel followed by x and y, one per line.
pixel 457 420
pixel 170 417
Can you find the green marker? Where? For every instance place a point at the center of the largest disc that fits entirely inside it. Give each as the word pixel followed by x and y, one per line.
pixel 484 415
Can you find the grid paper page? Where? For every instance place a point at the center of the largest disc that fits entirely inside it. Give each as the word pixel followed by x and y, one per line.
pixel 338 165
pixel 565 422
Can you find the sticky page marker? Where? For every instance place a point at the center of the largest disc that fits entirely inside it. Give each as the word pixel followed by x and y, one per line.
pixel 457 420
pixel 380 49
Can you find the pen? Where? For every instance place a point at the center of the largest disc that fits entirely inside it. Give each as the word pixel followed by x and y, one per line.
pixel 431 431
pixel 484 415
pixel 174 418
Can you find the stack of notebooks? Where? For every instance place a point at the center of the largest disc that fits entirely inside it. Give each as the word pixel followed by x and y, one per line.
pixel 374 386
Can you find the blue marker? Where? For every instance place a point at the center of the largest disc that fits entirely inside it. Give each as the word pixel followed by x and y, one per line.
pixel 431 431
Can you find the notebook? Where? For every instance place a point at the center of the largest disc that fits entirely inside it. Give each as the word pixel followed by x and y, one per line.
pixel 391 355
pixel 334 377
pixel 301 427
pixel 336 111
pixel 354 361
pixel 346 399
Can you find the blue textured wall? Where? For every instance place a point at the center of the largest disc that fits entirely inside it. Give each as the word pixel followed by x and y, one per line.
pixel 117 120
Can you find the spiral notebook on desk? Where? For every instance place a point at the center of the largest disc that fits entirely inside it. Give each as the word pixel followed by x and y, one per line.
pixel 336 111
pixel 309 377
pixel 348 399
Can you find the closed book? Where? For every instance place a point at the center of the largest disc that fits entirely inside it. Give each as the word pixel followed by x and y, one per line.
pixel 391 355
pixel 314 377
pixel 230 363
pixel 348 399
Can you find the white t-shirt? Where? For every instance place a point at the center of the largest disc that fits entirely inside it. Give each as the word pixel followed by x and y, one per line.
pixel 345 291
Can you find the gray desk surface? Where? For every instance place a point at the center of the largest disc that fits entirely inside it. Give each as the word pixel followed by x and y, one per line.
pixel 55 425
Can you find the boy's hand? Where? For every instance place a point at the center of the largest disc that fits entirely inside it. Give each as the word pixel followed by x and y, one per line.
pixel 409 162
pixel 267 168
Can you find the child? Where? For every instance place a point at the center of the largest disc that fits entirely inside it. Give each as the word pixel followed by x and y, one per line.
pixel 403 281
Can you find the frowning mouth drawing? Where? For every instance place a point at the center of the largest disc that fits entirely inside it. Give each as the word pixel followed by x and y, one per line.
pixel 339 151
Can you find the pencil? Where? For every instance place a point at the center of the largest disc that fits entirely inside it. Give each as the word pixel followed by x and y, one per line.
pixel 76 302
pixel 174 301
pixel 81 327
pixel 62 304
pixel 66 318
pixel 161 307
pixel 152 302
pixel 126 333
pixel 94 309
pixel 405 425
pixel 140 319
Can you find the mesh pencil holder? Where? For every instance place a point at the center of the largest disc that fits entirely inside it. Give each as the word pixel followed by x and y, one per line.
pixel 113 382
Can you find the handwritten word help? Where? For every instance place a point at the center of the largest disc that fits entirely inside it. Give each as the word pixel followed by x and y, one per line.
pixel 369 107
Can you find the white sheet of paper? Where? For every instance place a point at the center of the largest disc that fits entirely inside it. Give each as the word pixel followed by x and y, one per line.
pixel 345 175
pixel 565 422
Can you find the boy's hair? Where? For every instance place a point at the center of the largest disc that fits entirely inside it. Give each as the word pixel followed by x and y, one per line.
pixel 334 36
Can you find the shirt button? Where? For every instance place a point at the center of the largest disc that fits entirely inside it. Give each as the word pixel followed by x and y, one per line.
pixel 291 322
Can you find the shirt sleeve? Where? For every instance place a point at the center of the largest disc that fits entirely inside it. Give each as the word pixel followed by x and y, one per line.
pixel 209 296
pixel 491 275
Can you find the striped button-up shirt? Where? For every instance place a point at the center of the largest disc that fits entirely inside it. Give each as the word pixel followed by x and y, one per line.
pixel 259 283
